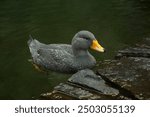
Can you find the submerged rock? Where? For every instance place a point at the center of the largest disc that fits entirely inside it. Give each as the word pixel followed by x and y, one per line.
pixel 131 75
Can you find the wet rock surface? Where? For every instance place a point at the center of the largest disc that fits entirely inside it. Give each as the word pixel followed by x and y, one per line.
pixel 141 49
pixel 134 52
pixel 125 77
pixel 80 86
pixel 130 75
pixel 88 78
pixel 145 43
pixel 76 92
pixel 55 95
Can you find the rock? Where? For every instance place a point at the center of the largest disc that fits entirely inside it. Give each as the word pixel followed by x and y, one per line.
pixel 130 75
pixel 55 95
pixel 67 91
pixel 145 43
pixel 141 49
pixel 134 52
pixel 76 92
pixel 84 84
pixel 89 79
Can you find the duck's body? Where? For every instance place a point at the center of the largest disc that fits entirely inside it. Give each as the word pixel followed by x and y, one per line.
pixel 62 57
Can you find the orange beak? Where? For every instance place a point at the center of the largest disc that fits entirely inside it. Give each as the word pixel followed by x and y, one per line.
pixel 96 46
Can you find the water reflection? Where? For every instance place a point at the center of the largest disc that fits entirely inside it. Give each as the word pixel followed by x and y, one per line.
pixel 116 23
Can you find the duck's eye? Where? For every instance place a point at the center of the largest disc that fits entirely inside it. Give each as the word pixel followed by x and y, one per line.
pixel 86 38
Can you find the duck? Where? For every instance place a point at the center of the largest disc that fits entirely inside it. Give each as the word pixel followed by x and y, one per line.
pixel 66 58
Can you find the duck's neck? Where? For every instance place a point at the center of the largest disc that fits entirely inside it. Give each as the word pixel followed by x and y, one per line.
pixel 83 59
pixel 80 53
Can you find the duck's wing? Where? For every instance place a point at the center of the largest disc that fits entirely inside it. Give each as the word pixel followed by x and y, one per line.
pixel 55 59
pixel 35 45
pixel 66 47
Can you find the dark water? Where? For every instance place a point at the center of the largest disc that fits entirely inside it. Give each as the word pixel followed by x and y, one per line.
pixel 115 23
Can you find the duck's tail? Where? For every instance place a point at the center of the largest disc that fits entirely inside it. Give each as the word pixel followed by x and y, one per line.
pixel 30 40
pixel 33 46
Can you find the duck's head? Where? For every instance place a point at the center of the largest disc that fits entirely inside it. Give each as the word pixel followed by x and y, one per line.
pixel 84 40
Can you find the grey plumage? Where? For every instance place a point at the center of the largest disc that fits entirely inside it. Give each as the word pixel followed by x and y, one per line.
pixel 64 57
